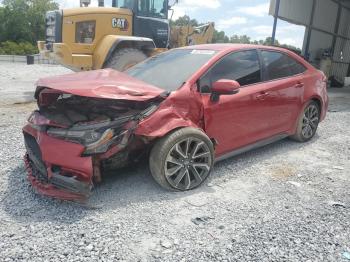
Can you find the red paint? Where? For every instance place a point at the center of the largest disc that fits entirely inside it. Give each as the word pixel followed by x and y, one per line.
pixel 50 190
pixel 182 108
pixel 105 83
pixel 256 112
pixel 61 153
pixel 225 86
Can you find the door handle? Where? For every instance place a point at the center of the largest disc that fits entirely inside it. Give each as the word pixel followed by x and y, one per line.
pixel 299 85
pixel 262 95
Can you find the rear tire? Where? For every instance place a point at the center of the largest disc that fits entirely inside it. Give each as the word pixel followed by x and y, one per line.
pixel 182 160
pixel 125 58
pixel 307 122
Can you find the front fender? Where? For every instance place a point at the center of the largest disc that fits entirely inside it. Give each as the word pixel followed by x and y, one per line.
pixel 183 109
pixel 165 121
pixel 110 43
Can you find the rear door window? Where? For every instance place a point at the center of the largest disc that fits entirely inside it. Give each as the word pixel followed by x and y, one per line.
pixel 244 67
pixel 278 65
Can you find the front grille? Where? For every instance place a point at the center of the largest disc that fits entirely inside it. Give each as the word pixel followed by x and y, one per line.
pixel 35 158
pixel 53 28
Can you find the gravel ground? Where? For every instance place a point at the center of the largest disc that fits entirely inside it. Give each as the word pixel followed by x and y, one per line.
pixel 17 80
pixel 284 202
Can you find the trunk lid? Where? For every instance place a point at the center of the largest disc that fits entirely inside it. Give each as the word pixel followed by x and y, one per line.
pixel 105 83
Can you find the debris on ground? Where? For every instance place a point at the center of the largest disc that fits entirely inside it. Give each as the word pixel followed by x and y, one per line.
pixel 201 220
pixel 297 184
pixel 338 167
pixel 337 204
pixel 196 203
pixel 166 243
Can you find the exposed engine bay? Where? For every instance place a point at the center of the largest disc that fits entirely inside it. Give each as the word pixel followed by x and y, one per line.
pixel 70 110
pixel 103 128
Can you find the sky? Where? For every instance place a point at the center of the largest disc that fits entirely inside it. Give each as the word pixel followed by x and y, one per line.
pixel 235 17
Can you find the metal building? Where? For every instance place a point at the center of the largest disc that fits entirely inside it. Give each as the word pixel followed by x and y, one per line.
pixel 327 31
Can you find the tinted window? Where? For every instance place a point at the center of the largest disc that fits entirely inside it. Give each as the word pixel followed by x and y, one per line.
pixel 242 66
pixel 85 32
pixel 171 69
pixel 153 8
pixel 278 65
pixel 128 4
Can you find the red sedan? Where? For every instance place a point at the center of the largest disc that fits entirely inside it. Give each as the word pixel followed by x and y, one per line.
pixel 186 109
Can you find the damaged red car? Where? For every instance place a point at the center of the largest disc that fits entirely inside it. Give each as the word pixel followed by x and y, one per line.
pixel 186 109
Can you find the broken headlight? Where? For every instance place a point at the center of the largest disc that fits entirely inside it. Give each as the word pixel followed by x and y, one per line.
pixel 82 137
pixel 94 142
pixel 101 145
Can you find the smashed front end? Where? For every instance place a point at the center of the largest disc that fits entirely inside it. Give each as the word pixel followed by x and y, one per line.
pixel 70 140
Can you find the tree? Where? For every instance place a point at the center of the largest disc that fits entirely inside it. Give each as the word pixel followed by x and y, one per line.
pixel 184 21
pixel 14 21
pixel 220 37
pixel 24 20
pixel 36 16
pixel 268 41
pixel 242 39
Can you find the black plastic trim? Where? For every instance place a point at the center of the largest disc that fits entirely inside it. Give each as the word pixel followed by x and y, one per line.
pixel 255 145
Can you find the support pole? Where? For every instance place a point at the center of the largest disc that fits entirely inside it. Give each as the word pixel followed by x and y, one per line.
pixel 309 30
pixel 277 8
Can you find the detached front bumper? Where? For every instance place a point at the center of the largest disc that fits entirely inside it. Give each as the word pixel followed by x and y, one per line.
pixel 56 168
pixel 47 189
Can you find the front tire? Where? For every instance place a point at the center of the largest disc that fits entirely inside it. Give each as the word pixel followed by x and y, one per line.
pixel 182 160
pixel 308 122
pixel 125 58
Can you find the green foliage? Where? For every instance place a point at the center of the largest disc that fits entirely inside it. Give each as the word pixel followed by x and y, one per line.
pixel 12 48
pixel 184 21
pixel 221 37
pixel 24 20
pixel 240 39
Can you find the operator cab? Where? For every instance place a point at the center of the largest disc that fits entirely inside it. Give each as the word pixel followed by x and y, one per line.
pixel 150 19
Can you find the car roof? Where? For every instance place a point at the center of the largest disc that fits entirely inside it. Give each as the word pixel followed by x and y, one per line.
pixel 233 47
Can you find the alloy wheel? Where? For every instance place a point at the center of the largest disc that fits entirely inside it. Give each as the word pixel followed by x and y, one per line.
pixel 188 164
pixel 310 121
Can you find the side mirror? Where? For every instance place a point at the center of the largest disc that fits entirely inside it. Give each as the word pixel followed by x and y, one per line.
pixel 224 87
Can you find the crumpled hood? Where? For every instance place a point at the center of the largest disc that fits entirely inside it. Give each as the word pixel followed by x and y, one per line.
pixel 105 83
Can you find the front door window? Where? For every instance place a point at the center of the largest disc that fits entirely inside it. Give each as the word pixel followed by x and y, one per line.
pixel 244 67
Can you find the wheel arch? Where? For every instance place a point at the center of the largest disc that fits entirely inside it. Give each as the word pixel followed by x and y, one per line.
pixel 110 43
pixel 316 99
pixel 165 130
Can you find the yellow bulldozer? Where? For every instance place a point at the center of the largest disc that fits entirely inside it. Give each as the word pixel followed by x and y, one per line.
pixel 89 38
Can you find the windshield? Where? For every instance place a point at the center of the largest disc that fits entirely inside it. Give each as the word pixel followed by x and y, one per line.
pixel 171 69
pixel 128 4
pixel 149 8
pixel 153 8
